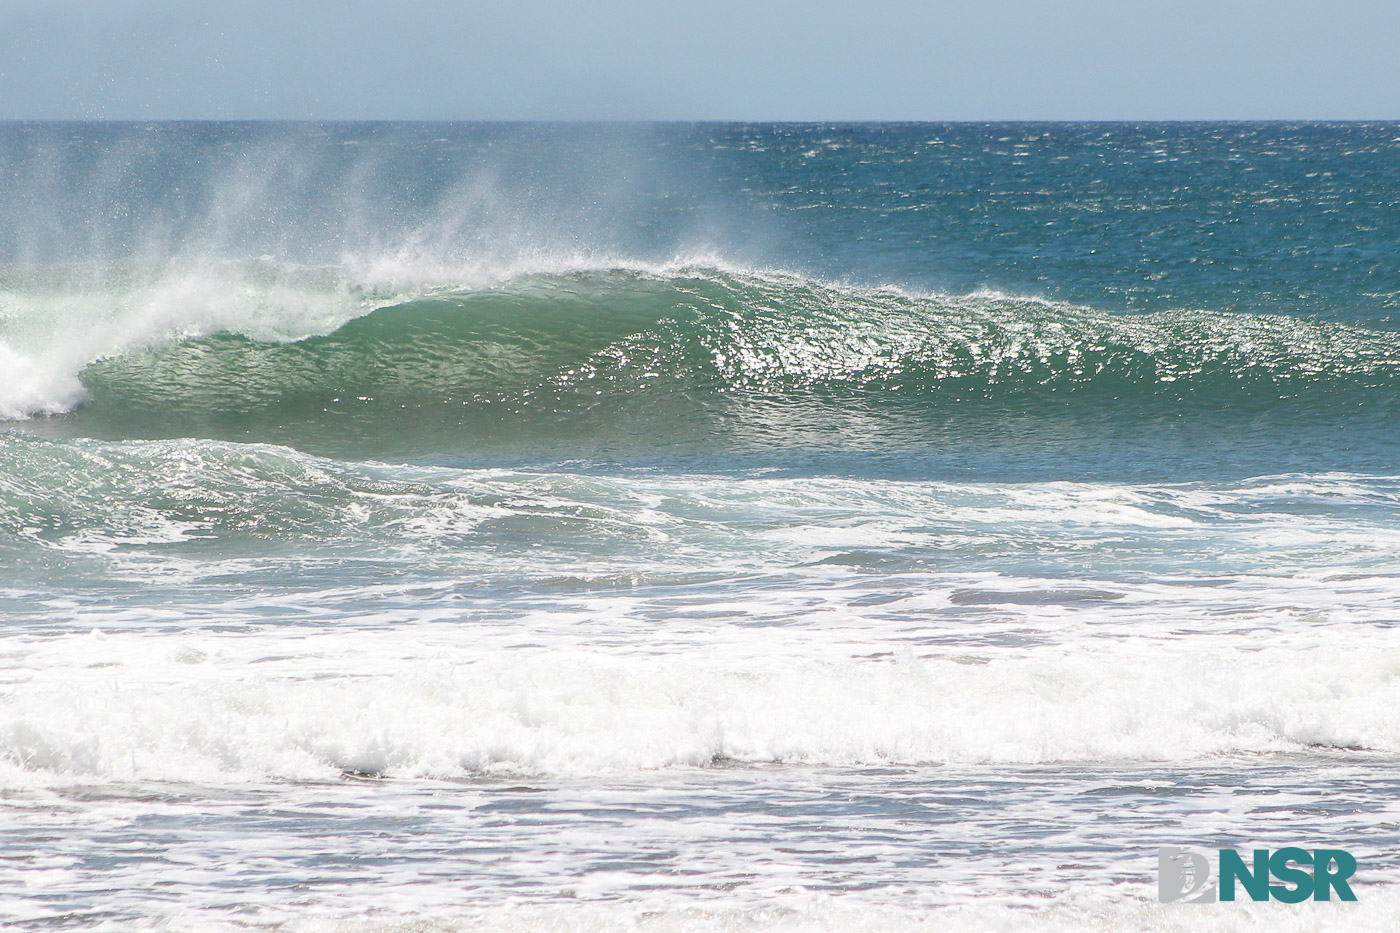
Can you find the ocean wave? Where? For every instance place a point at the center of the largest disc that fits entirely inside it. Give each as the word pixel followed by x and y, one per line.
pixel 666 352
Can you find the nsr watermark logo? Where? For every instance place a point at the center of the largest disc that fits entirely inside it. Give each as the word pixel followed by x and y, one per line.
pixel 1186 875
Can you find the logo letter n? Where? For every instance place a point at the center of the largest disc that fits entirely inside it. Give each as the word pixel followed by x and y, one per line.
pixel 1232 869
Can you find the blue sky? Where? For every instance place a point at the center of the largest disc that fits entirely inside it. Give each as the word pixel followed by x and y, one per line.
pixel 719 60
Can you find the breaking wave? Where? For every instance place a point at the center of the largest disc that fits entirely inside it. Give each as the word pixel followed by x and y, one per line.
pixel 667 354
pixel 217 709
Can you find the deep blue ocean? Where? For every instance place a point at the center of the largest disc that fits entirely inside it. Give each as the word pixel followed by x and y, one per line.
pixel 713 527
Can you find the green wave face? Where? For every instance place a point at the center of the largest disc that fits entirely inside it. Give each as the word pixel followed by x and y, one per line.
pixel 703 359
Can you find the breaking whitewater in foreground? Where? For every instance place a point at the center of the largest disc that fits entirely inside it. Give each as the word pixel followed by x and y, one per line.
pixel 771 527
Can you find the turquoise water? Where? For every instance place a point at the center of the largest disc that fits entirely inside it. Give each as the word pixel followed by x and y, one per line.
pixel 693 526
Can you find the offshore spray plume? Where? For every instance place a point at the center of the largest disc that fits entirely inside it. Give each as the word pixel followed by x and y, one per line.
pixel 123 237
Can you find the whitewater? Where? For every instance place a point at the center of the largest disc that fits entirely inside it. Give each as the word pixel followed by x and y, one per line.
pixel 693 527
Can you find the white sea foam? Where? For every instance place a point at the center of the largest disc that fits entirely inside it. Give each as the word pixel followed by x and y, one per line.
pixel 44 383
pixel 430 702
pixel 1126 912
pixel 1125 908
